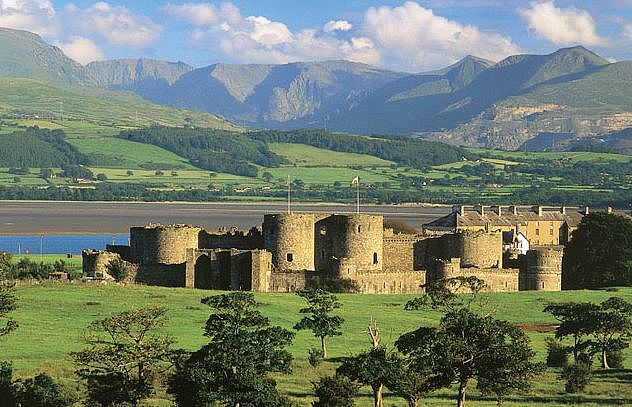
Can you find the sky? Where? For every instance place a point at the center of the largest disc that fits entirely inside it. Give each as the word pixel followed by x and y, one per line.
pixel 411 36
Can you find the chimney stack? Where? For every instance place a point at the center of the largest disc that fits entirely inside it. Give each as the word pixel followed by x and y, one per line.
pixel 538 209
pixel 460 209
pixel 563 210
pixel 513 209
pixel 481 210
pixel 610 210
pixel 586 210
pixel 498 210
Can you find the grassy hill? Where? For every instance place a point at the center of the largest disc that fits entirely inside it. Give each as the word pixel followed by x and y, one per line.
pixel 85 112
pixel 63 311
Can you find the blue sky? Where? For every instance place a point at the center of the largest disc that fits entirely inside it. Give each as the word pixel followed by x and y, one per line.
pixel 402 35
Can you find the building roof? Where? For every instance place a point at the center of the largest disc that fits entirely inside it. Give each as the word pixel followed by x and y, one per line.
pixel 470 217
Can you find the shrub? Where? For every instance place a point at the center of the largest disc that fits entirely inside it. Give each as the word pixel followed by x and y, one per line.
pixel 315 357
pixel 337 285
pixel 7 390
pixel 42 391
pixel 102 177
pixel 334 391
pixel 577 377
pixel 118 270
pixel 557 353
pixel 615 359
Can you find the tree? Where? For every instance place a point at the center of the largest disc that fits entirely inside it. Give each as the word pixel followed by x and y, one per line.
pixel 611 327
pixel 102 177
pixel 600 253
pixel 118 269
pixel 575 321
pixel 267 176
pixel 129 173
pixel 8 303
pixel 334 391
pixel 375 368
pixel 41 391
pixel 232 368
pixel 468 346
pixel 320 322
pixel 8 395
pixel 125 355
pixel 46 173
pixel 159 173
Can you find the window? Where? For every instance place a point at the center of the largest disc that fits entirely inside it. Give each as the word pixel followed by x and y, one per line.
pixel 537 232
pixel 323 231
pixel 322 254
pixel 551 231
pixel 290 257
pixel 359 228
pixel 374 258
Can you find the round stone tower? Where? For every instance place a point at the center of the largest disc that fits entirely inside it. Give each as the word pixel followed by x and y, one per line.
pixel 479 249
pixel 159 244
pixel 542 269
pixel 290 239
pixel 359 238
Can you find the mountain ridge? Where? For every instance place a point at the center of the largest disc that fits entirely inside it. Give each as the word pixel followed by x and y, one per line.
pixel 472 102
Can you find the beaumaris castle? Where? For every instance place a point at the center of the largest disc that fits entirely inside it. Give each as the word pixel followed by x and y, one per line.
pixel 510 248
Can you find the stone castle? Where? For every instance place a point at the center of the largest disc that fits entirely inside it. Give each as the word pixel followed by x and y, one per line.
pixel 291 251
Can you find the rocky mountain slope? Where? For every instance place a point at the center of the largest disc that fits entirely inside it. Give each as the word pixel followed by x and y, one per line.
pixel 525 101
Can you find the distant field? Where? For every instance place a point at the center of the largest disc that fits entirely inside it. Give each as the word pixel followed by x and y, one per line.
pixel 543 155
pixel 52 318
pixel 129 154
pixel 304 155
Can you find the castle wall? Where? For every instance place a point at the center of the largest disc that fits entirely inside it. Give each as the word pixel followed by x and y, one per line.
pixel 290 281
pixel 253 239
pixel 261 270
pixel 391 283
pixel 165 275
pixel 94 262
pixel 497 280
pixel 122 250
pixel 399 254
pixel 542 269
pixel 290 239
pixel 162 244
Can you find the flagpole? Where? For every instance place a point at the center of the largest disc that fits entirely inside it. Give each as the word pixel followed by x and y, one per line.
pixel 289 194
pixel 358 196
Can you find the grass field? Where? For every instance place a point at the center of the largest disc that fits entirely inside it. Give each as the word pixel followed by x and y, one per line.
pixel 129 154
pixel 303 155
pixel 52 318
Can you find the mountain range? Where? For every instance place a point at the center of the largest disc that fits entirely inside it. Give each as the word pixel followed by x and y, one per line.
pixel 524 101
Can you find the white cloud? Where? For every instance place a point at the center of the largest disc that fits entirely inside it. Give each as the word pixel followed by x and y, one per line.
pixel 627 31
pixel 562 26
pixel 81 49
pixel 257 39
pixel 413 37
pixel 31 15
pixel 116 24
pixel 337 25
pixel 407 37
pixel 201 14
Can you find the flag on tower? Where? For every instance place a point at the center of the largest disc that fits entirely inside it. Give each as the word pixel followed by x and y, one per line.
pixel 356 180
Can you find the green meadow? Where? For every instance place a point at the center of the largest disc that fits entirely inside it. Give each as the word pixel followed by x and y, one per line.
pixel 53 316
